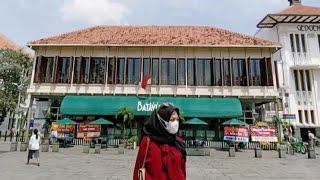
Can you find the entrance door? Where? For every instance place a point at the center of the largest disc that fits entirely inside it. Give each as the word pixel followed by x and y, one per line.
pixel 304 133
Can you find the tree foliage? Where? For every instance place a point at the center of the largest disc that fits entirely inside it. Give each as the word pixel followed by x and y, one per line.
pixel 127 116
pixel 14 69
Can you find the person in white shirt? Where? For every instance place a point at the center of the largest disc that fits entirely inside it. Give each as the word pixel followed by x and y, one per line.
pixel 34 146
pixel 311 139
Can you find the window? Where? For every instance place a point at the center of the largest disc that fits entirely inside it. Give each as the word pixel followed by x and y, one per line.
pixel 306 116
pixel 168 71
pixel 217 72
pixel 300 116
pixel 239 72
pixel 62 70
pixel 269 73
pixel 181 71
pixel 204 72
pixel 155 71
pixel 276 72
pixel 191 72
pixel 303 87
pixel 111 70
pixel 303 43
pixel 97 70
pixel 312 117
pixel 44 69
pixel 146 67
pixel 319 40
pixel 308 80
pixel 296 79
pixel 292 43
pixel 120 70
pixel 255 72
pixel 226 72
pixel 133 70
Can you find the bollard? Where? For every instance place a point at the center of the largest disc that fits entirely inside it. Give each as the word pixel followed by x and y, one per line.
pixel 86 148
pixel 5 137
pixel 311 153
pixel 258 153
pixel 97 148
pixel 232 152
pixel 290 150
pixel 45 147
pixel 121 148
pixel 23 146
pixel 14 146
pixel 55 147
pixel 281 152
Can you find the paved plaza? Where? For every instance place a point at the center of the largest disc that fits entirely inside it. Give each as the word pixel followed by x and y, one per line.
pixel 71 163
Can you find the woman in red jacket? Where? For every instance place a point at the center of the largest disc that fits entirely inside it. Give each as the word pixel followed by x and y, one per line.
pixel 166 154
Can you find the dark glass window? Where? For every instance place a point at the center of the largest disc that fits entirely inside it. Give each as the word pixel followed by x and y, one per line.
pixel 133 71
pixel 296 79
pixel 300 116
pixel 226 72
pixel 303 43
pixel 111 70
pixel 146 67
pixel 239 72
pixel 306 116
pixel 308 80
pixel 84 72
pixel 97 69
pixel 319 40
pixel 155 71
pixel 76 70
pixel 44 69
pixel 217 72
pixel 298 43
pixel 191 72
pixel 204 72
pixel 303 87
pixel 168 71
pixel 63 69
pixel 312 117
pixel 255 72
pixel 292 43
pixel 181 72
pixel 120 70
pixel 269 72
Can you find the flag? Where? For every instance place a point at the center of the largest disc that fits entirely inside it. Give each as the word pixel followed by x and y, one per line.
pixel 146 81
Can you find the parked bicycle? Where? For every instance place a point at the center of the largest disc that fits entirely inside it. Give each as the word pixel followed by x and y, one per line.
pixel 298 146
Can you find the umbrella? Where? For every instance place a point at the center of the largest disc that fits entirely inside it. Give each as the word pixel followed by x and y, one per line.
pixel 101 121
pixel 66 121
pixel 235 122
pixel 195 121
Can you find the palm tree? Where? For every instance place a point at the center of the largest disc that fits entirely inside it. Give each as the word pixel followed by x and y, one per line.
pixel 127 115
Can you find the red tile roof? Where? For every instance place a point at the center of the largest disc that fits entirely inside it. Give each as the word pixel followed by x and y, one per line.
pixel 299 9
pixel 6 43
pixel 155 36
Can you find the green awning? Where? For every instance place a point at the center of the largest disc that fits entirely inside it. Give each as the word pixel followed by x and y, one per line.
pixel 195 121
pixel 66 121
pixel 143 106
pixel 101 121
pixel 234 121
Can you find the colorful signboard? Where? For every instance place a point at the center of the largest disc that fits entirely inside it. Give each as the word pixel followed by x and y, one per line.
pixel 66 129
pixel 88 131
pixel 236 133
pixel 263 134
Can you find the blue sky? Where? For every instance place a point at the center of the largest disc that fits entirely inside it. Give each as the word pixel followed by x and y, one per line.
pixel 27 20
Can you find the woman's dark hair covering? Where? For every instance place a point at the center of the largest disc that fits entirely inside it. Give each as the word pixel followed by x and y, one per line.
pixel 155 130
pixel 35 131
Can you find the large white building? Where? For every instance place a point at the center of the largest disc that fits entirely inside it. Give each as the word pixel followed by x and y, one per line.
pixel 297 28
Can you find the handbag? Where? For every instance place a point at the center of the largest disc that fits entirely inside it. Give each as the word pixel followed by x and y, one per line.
pixel 142 170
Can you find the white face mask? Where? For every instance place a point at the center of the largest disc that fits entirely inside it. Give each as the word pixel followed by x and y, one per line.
pixel 172 127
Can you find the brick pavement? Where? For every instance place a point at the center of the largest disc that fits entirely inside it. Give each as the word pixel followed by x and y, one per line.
pixel 71 163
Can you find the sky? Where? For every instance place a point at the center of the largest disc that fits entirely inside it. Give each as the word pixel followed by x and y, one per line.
pixel 26 20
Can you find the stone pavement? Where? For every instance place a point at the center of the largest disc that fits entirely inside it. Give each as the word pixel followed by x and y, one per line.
pixel 71 163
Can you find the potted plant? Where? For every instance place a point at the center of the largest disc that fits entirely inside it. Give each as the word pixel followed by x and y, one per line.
pixel 126 116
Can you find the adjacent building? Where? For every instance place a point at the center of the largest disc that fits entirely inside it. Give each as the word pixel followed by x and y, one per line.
pixel 209 73
pixel 297 28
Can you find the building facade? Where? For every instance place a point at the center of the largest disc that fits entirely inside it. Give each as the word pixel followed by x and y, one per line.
pixel 209 73
pixel 297 28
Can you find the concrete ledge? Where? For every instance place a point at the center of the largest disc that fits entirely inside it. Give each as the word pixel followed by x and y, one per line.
pixel 198 152
pixel 23 146
pixel 13 146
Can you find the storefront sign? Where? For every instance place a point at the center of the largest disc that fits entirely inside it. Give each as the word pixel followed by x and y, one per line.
pixel 88 131
pixel 263 134
pixel 66 129
pixel 308 27
pixel 147 106
pixel 236 133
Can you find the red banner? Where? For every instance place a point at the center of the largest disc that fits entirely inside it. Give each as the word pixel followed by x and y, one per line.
pixel 267 134
pixel 236 133
pixel 88 128
pixel 62 128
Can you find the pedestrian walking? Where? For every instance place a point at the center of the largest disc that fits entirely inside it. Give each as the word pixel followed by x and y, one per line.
pixel 311 140
pixel 34 146
pixel 162 154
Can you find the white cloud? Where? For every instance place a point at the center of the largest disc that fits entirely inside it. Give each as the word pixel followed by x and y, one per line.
pixel 93 11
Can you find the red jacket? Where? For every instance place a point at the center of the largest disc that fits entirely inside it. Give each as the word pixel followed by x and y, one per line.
pixel 163 162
